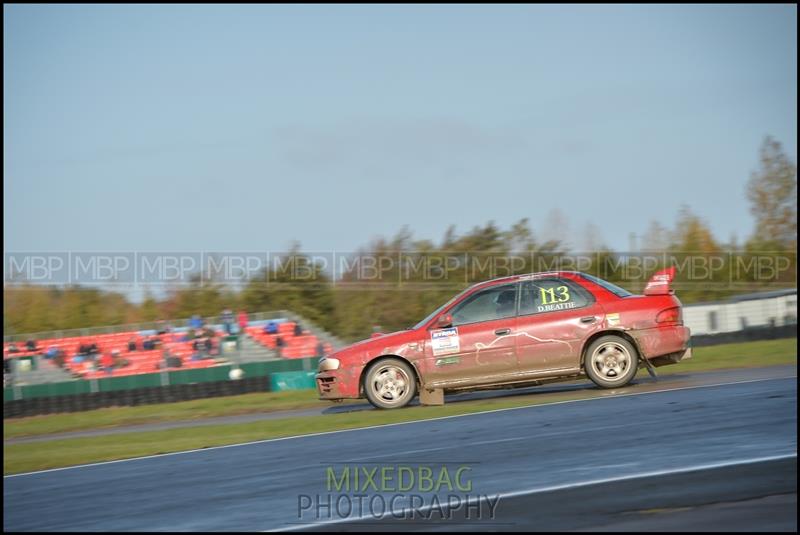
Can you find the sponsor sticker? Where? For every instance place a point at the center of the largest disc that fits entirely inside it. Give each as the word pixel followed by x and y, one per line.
pixel 444 341
pixel 612 319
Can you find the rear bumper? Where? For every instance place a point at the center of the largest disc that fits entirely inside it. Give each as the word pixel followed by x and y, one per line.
pixel 668 341
pixel 672 358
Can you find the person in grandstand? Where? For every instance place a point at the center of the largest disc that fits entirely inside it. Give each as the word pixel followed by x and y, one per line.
pixel 227 320
pixel 107 363
pixel 271 327
pixel 242 321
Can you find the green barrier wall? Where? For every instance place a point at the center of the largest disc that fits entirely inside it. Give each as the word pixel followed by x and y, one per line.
pixel 204 375
pixel 292 381
pixel 52 389
pixel 177 377
pixel 113 384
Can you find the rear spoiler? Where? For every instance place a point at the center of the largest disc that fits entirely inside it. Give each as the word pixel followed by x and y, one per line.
pixel 660 282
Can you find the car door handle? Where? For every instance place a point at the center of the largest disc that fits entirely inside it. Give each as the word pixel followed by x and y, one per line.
pixel 588 319
pixel 502 331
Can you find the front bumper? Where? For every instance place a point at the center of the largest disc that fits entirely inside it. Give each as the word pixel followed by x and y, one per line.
pixel 337 384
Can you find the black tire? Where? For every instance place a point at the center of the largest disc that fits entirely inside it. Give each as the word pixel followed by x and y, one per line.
pixel 390 384
pixel 611 361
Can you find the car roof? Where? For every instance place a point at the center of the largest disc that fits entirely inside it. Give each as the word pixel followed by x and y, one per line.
pixel 528 276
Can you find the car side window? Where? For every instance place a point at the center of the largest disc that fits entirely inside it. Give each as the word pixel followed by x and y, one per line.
pixel 551 295
pixel 493 303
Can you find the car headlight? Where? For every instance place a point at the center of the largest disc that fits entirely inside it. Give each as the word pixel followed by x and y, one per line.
pixel 328 363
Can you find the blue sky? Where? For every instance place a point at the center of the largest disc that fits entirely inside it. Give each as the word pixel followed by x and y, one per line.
pixel 218 128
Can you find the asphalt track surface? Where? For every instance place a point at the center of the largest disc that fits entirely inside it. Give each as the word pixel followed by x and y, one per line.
pixel 718 457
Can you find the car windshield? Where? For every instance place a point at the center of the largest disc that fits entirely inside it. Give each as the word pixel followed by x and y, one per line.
pixel 613 288
pixel 430 316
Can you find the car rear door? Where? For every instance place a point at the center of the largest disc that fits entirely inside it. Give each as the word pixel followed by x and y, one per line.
pixel 479 347
pixel 556 315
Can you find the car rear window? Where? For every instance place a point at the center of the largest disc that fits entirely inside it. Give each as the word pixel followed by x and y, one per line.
pixel 613 288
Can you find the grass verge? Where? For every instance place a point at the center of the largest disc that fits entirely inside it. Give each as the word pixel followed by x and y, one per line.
pixel 744 355
pixel 57 453
pixel 163 412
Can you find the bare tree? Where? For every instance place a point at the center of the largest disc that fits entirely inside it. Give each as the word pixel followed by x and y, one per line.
pixel 556 228
pixel 592 238
pixel 655 239
pixel 772 191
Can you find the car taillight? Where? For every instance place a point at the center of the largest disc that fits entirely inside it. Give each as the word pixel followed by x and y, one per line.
pixel 669 315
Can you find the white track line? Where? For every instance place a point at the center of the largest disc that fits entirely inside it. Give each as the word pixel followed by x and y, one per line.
pixel 540 490
pixel 322 433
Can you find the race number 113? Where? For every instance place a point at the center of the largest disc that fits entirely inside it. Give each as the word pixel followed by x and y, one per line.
pixel 554 295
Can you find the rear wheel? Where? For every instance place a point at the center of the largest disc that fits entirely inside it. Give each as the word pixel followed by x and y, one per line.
pixel 611 361
pixel 390 384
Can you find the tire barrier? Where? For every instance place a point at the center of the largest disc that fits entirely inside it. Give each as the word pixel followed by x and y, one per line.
pixel 133 397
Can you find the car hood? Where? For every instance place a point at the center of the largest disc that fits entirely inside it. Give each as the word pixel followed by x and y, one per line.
pixel 394 343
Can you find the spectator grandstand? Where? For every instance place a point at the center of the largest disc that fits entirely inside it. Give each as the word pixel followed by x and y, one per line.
pixel 86 365
pixel 296 345
pixel 142 351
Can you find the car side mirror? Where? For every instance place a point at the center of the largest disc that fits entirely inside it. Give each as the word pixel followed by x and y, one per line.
pixel 444 321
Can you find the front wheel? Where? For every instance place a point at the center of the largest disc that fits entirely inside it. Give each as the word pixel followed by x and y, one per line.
pixel 390 384
pixel 611 361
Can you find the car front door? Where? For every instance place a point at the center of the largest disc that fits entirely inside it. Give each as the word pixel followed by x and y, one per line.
pixel 479 347
pixel 556 315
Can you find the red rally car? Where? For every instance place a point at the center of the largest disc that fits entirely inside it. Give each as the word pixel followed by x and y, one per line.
pixel 515 331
